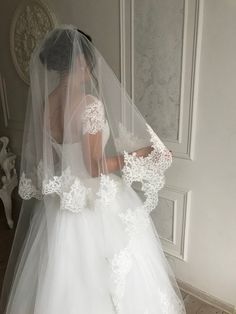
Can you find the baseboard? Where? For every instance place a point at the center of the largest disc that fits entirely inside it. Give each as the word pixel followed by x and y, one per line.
pixel 205 297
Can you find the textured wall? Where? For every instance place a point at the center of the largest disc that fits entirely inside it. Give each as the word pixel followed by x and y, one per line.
pixel 158 27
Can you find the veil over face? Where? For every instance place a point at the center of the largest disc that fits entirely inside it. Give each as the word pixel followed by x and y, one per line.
pixel 75 100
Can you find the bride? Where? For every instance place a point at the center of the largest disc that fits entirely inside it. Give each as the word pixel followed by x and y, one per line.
pixel 91 169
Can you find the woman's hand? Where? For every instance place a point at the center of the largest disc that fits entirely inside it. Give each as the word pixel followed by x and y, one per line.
pixel 144 151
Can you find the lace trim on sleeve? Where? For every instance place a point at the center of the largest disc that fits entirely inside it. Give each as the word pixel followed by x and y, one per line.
pixel 93 118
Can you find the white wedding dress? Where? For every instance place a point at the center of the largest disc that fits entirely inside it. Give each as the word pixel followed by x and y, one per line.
pixel 77 263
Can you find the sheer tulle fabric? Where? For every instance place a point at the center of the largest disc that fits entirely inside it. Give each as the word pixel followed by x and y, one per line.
pixel 85 242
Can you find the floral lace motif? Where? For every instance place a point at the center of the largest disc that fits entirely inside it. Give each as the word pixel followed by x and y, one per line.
pixel 27 190
pixel 148 170
pixel 136 222
pixel 74 195
pixel 93 117
pixel 120 266
pixel 107 190
pixel 72 192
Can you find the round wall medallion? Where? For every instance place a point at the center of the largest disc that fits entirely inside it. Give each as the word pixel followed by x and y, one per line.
pixel 32 20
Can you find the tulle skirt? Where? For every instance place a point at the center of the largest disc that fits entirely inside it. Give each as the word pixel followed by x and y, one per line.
pixel 93 262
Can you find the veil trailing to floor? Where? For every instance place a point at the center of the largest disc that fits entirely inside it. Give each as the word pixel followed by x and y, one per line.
pixel 85 239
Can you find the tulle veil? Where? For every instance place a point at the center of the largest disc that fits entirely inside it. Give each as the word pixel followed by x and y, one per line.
pixel 76 99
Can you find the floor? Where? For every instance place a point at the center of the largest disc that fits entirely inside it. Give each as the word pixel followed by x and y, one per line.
pixel 193 305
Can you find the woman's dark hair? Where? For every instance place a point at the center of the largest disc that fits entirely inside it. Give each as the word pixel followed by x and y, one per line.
pixel 58 48
pixel 86 35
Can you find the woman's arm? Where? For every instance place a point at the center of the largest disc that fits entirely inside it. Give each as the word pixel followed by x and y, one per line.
pixel 114 163
pixel 92 152
pixel 94 160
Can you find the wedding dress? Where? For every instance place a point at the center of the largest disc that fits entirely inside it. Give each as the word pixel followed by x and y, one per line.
pixel 91 246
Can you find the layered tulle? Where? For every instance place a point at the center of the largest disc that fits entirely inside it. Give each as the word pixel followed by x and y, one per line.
pixel 100 261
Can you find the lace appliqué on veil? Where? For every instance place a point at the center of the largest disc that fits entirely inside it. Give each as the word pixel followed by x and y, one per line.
pixel 135 221
pixel 27 190
pixel 72 192
pixel 107 190
pixel 149 171
pixel 74 195
pixel 93 117
pixel 120 267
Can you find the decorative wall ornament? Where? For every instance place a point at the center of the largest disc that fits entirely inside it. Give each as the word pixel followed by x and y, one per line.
pixel 32 20
pixel 8 178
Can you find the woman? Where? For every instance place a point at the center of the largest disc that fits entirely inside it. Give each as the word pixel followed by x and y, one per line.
pixel 87 243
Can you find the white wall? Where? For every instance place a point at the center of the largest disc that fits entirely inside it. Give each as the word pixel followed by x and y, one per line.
pixel 211 262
